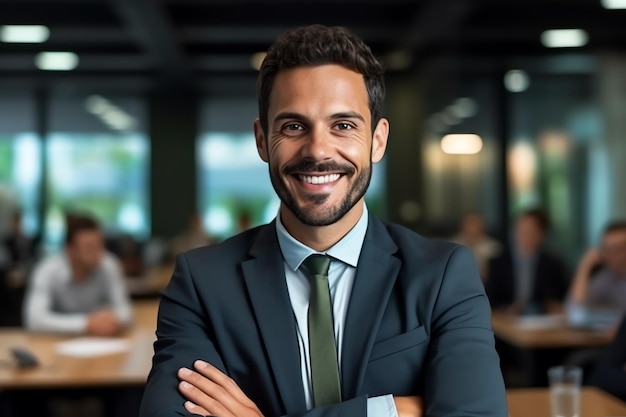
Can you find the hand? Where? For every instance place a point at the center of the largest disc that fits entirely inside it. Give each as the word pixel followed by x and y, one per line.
pixel 211 392
pixel 409 406
pixel 103 323
pixel 591 258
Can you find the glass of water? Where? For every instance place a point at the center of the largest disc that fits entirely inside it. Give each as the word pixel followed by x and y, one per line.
pixel 565 384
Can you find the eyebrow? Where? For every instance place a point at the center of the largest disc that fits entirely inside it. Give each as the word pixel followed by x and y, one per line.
pixel 348 115
pixel 342 115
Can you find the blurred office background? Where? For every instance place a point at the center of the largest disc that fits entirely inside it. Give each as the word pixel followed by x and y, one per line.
pixel 143 114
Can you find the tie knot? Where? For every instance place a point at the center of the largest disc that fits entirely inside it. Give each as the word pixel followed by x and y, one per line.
pixel 317 264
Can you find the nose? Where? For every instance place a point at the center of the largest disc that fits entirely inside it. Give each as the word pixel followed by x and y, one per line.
pixel 317 145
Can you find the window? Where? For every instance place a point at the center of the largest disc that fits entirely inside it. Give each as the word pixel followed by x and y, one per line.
pixel 97 167
pixel 20 162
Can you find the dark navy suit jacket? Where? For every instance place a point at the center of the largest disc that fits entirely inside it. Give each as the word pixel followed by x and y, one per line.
pixel 418 323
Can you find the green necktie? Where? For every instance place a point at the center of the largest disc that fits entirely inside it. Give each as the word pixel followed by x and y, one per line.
pixel 322 347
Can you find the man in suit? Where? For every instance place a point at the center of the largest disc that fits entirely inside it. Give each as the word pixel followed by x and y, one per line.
pixel 245 325
pixel 526 278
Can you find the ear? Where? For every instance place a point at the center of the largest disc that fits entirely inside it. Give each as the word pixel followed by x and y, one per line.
pixel 261 141
pixel 379 140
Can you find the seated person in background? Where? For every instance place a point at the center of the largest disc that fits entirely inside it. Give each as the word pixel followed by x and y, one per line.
pixel 600 280
pixel 80 290
pixel 526 278
pixel 473 234
pixel 194 236
pixel 609 373
pixel 20 254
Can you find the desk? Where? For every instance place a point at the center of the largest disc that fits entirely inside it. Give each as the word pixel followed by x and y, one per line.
pixel 536 343
pixel 151 283
pixel 535 402
pixel 127 368
pixel 552 336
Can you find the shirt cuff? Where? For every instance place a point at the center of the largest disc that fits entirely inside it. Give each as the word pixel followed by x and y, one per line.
pixel 382 406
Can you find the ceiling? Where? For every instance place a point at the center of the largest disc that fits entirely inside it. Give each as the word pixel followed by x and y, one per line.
pixel 208 42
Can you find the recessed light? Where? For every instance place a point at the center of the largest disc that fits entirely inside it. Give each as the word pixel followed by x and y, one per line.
pixel 564 38
pixel 614 4
pixel 56 61
pixel 24 33
pixel 257 60
pixel 461 144
pixel 516 80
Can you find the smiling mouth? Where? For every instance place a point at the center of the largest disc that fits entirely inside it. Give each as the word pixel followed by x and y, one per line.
pixel 319 179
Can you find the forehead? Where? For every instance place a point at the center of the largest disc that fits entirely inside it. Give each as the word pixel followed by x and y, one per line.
pixel 88 235
pixel 616 235
pixel 308 88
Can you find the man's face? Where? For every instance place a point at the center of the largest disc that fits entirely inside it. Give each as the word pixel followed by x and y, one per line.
pixel 87 248
pixel 528 234
pixel 319 143
pixel 614 250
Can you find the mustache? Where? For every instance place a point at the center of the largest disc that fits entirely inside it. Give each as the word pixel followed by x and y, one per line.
pixel 306 165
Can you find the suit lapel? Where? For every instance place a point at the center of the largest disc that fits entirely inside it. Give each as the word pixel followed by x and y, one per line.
pixel 375 276
pixel 265 279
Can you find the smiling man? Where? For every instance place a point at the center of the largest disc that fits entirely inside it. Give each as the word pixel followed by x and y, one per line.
pixel 326 311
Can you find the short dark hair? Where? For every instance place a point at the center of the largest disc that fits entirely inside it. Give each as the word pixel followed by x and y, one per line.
pixel 539 215
pixel 77 223
pixel 319 45
pixel 615 226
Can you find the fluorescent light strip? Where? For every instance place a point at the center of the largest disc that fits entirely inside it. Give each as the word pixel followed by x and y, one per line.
pixel 24 33
pixel 614 4
pixel 56 61
pixel 564 38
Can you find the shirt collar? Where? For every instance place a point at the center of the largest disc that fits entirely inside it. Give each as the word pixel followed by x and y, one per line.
pixel 347 250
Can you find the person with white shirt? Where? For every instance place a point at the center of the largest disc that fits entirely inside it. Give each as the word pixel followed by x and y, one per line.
pixel 80 290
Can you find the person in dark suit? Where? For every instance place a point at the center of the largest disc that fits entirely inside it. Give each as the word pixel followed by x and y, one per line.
pixel 527 278
pixel 390 323
pixel 609 373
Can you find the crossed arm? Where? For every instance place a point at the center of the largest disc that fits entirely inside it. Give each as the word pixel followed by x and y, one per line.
pixel 210 392
pixel 461 350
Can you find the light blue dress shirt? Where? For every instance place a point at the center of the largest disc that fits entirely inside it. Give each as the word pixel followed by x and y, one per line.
pixel 345 257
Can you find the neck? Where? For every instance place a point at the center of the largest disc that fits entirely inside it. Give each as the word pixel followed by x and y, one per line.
pixel 79 272
pixel 321 238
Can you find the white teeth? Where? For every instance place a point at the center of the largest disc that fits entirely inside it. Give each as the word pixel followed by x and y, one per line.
pixel 319 179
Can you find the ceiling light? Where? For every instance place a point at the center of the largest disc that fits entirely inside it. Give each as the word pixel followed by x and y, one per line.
pixel 564 38
pixel 516 81
pixel 56 61
pixel 614 4
pixel 461 144
pixel 257 60
pixel 24 33
pixel 464 107
pixel 112 115
pixel 97 104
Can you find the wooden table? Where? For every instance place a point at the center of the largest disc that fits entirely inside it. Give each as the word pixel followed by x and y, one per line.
pixel 535 402
pixel 553 333
pixel 130 367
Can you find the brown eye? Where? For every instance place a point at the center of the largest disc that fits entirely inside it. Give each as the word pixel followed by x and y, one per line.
pixel 343 126
pixel 293 126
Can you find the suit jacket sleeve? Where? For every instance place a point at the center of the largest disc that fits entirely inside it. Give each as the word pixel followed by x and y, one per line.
pixel 463 375
pixel 183 336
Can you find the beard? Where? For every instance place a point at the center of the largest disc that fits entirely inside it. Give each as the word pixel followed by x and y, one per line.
pixel 317 215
